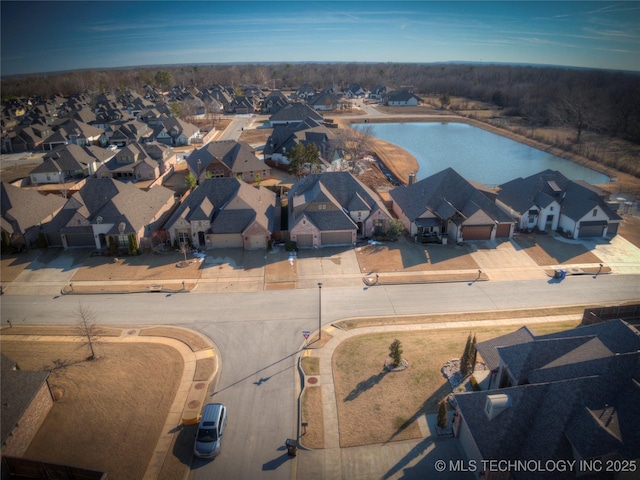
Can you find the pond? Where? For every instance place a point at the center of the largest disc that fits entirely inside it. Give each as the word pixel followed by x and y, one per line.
pixel 474 153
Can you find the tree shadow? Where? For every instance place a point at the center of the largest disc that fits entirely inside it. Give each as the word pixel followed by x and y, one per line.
pixel 365 385
pixel 430 405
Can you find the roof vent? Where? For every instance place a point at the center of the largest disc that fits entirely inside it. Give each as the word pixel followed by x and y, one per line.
pixel 496 404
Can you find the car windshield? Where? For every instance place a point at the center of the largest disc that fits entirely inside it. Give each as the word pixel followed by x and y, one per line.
pixel 207 435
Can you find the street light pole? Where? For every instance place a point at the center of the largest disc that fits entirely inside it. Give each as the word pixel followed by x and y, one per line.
pixel 319 310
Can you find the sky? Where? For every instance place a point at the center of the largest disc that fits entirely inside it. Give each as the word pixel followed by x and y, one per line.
pixel 39 37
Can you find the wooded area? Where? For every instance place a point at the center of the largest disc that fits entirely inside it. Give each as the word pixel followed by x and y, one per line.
pixel 597 101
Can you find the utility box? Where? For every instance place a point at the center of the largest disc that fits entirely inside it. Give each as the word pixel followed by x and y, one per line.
pixel 292 447
pixel 563 274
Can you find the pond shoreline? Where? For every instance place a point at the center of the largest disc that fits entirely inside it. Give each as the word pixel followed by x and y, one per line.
pixel 401 167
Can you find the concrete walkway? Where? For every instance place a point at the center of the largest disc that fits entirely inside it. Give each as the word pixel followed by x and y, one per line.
pixel 404 459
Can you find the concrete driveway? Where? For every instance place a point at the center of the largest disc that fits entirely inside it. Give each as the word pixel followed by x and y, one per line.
pixel 55 265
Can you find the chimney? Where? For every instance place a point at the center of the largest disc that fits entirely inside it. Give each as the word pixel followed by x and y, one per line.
pixel 496 404
pixel 412 178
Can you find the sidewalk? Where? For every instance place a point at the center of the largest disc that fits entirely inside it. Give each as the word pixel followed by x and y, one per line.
pixel 389 460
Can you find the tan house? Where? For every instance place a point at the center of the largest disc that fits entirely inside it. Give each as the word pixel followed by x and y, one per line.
pixel 224 212
pixel 334 208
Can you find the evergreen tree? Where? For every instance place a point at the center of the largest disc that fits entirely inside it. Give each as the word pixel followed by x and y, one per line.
pixel 442 419
pixel 464 360
pixel 395 352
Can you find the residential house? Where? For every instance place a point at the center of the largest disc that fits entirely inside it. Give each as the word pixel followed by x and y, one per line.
pixel 30 138
pixel 323 101
pixel 105 208
pixel 175 132
pixel 241 105
pixel 286 136
pixel 131 132
pixel 377 91
pixel 161 153
pixel 294 113
pixel 334 208
pixel 273 103
pixel 69 162
pixel 564 397
pixel 131 162
pixel 401 99
pixel 446 207
pixel 550 201
pixel 26 401
pixel 24 212
pixel 227 158
pixel 225 213
pixel 305 91
pixel 72 131
pixel 354 91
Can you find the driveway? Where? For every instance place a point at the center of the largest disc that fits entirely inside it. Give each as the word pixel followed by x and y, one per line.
pixel 55 265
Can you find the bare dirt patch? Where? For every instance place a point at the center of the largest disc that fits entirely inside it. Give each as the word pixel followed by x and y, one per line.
pixel 255 136
pixel 112 410
pixel 377 406
pixel 545 250
pixel 630 229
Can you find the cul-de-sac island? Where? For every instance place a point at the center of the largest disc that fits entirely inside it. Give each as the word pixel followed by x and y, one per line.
pixel 241 235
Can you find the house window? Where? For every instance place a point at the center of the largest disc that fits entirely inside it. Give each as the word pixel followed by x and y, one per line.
pixel 322 207
pixel 595 212
pixel 183 237
pixel 122 240
pixel 378 226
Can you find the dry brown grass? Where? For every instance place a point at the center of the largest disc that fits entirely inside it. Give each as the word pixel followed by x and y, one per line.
pixel 353 323
pixel 310 365
pixel 375 406
pixel 147 266
pixel 546 250
pixel 404 255
pixel 12 265
pixel 204 369
pixel 255 136
pixel 313 435
pixel 45 331
pixel 112 410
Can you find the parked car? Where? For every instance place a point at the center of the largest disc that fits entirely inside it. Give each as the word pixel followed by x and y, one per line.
pixel 210 430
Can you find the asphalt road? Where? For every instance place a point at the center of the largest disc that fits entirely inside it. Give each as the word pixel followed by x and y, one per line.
pixel 258 335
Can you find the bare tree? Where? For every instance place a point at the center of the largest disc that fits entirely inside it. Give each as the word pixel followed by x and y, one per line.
pixel 356 142
pixel 87 327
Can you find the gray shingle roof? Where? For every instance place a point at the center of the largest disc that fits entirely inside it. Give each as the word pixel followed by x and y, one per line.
pixel 237 157
pixel 210 199
pixel 23 209
pixel 445 194
pixel 18 389
pixel 488 349
pixel 295 112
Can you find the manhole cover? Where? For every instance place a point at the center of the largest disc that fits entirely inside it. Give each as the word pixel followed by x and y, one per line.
pixel 199 386
pixel 312 380
pixel 194 403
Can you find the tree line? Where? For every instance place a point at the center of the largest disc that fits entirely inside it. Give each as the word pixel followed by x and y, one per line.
pixel 601 101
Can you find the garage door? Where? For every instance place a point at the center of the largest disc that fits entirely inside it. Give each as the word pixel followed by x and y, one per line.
pixel 54 240
pixel 503 230
pixel 336 238
pixel 305 240
pixel 256 242
pixel 80 240
pixel 482 232
pixel 613 229
pixel 590 230
pixel 230 240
